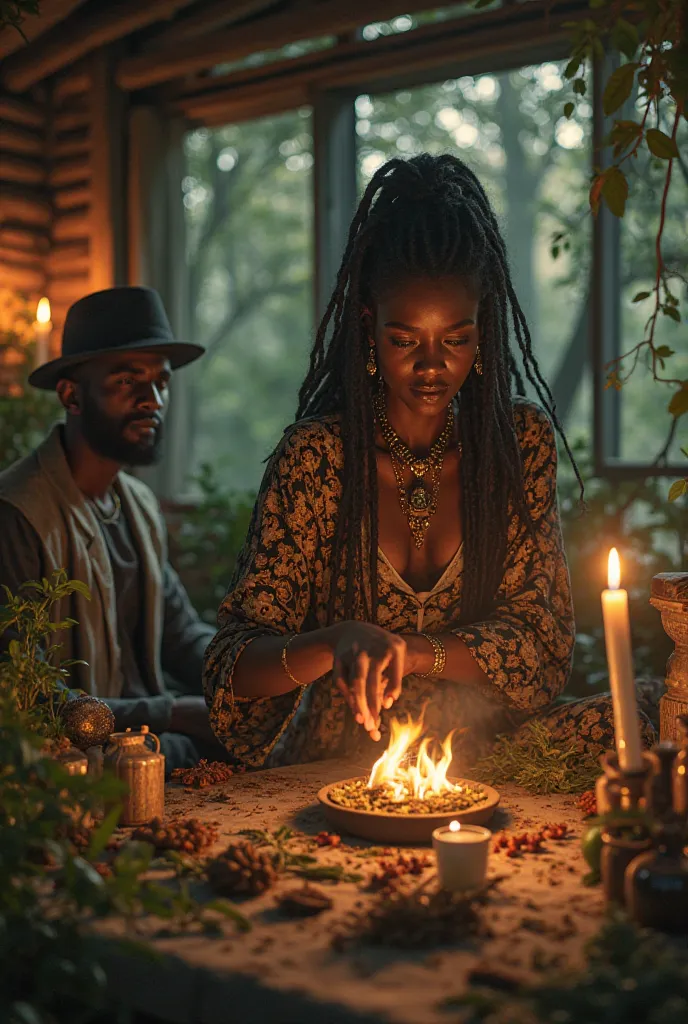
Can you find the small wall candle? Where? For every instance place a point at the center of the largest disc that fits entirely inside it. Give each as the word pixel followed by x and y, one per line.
pixel 42 328
pixel 461 852
pixel 617 638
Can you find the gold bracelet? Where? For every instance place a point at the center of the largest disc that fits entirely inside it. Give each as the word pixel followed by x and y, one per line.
pixel 284 661
pixel 440 657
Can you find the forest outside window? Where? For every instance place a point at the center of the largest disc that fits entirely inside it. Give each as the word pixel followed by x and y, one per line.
pixel 535 165
pixel 248 201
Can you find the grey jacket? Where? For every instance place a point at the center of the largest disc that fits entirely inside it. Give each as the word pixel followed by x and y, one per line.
pixel 67 533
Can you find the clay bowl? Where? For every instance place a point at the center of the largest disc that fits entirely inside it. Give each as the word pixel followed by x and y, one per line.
pixel 402 828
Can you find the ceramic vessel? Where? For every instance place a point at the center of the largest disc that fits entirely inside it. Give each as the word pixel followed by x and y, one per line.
pixel 142 768
pixel 402 828
pixel 618 851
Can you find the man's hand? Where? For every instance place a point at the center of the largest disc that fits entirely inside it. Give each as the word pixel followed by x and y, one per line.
pixel 190 716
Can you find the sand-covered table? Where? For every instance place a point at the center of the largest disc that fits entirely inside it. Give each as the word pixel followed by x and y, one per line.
pixel 286 971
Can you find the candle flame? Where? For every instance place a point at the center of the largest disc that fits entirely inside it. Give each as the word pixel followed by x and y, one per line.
pixel 454 826
pixel 614 570
pixel 43 311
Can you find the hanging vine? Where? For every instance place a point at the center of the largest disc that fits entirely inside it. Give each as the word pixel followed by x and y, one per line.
pixel 650 37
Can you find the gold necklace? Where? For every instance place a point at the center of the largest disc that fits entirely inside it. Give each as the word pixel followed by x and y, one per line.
pixel 421 503
pixel 108 518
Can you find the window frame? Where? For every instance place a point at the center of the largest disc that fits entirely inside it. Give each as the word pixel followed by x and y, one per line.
pixel 335 197
pixel 605 309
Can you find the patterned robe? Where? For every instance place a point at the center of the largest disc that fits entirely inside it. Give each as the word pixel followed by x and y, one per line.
pixel 281 586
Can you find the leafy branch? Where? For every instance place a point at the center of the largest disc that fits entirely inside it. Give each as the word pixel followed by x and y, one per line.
pixel 651 40
pixel 301 864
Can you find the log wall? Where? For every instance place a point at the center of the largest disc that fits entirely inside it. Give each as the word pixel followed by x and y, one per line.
pixel 69 156
pixel 25 208
pixel 53 239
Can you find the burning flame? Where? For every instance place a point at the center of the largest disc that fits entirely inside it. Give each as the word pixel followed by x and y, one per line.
pixel 43 311
pixel 613 570
pixel 424 778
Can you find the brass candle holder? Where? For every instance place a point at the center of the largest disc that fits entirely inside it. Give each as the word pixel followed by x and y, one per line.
pixel 624 798
pixel 669 594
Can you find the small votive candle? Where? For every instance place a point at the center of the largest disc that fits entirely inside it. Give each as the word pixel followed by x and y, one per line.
pixel 461 852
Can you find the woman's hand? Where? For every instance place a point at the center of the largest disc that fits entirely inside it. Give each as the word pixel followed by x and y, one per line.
pixel 369 665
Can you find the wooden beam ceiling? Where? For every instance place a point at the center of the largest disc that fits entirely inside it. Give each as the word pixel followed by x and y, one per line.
pixel 434 46
pixel 208 18
pixel 52 12
pixel 80 35
pixel 328 17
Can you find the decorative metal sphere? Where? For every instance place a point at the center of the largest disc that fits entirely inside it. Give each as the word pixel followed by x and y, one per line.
pixel 88 721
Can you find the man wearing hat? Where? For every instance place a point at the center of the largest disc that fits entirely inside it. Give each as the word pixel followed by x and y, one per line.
pixel 70 505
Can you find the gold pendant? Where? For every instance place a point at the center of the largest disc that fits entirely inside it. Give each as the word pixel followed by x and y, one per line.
pixel 419 501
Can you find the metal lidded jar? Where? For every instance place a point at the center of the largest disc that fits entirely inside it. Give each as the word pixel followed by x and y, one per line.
pixel 142 768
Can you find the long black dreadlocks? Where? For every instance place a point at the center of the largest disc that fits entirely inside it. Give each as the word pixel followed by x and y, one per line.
pixel 426 217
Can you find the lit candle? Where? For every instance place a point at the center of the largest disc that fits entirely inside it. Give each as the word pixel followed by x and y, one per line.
pixel 42 328
pixel 461 852
pixel 617 637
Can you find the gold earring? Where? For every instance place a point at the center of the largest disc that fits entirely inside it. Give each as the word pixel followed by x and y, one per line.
pixel 371 365
pixel 478 363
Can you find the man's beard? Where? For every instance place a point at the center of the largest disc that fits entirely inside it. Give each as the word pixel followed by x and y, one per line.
pixel 105 436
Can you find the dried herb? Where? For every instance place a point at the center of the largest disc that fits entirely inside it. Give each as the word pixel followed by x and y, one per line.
pixel 515 845
pixel 587 803
pixel 382 799
pixel 301 864
pixel 326 873
pixel 538 763
pixel 390 872
pixel 418 919
pixel 328 839
pixel 189 836
pixel 205 773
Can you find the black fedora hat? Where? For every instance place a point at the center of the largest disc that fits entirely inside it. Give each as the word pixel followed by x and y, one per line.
pixel 114 320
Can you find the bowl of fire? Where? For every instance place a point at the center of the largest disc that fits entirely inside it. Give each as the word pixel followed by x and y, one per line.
pixel 377 813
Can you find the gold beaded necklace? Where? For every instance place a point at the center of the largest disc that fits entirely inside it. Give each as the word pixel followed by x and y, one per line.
pixel 420 504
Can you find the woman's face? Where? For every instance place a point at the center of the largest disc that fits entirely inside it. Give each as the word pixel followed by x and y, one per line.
pixel 426 337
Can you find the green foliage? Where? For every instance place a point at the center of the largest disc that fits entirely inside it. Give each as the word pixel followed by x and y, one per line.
pixel 209 540
pixel 630 975
pixel 24 421
pixel 13 13
pixel 30 672
pixel 646 95
pixel 651 536
pixel 25 413
pixel 538 764
pixel 49 895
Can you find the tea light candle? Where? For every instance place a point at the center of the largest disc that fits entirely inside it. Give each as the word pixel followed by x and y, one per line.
pixel 461 852
pixel 617 638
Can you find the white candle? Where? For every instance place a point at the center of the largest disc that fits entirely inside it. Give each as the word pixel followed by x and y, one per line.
pixel 461 852
pixel 42 328
pixel 617 638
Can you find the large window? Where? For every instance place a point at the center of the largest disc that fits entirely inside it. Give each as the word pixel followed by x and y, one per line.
pixel 535 164
pixel 641 405
pixel 248 202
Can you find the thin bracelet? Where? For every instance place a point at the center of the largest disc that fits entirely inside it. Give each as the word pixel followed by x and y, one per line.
pixel 284 661
pixel 440 657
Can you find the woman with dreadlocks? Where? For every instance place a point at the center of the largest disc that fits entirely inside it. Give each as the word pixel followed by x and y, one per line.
pixel 405 550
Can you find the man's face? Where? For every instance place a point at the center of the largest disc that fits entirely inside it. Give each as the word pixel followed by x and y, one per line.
pixel 122 400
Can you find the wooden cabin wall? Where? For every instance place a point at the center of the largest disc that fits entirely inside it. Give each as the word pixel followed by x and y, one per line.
pixel 68 262
pixel 25 206
pixel 61 182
